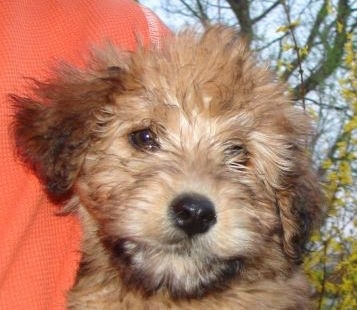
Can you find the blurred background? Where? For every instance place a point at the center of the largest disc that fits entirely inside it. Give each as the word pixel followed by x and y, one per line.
pixel 311 44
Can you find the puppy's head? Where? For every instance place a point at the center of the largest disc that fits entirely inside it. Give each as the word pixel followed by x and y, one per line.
pixel 190 160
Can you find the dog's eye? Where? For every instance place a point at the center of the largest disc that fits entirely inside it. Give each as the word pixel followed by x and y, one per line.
pixel 234 150
pixel 144 140
pixel 236 156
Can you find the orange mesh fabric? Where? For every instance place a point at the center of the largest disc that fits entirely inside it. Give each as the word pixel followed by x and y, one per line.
pixel 40 251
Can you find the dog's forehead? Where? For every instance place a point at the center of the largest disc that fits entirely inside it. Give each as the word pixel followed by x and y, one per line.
pixel 209 84
pixel 183 125
pixel 201 76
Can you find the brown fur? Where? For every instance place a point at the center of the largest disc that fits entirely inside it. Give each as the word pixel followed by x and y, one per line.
pixel 224 129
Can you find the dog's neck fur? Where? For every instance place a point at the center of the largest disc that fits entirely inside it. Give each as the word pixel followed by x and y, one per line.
pixel 99 286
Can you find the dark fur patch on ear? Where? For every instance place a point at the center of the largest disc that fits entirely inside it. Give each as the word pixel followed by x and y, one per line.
pixel 54 146
pixel 54 129
pixel 301 211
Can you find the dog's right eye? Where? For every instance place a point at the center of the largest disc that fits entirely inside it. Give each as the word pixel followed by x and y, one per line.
pixel 144 140
pixel 236 156
pixel 234 150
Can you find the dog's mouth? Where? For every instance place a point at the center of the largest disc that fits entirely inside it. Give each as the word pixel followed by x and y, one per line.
pixel 179 269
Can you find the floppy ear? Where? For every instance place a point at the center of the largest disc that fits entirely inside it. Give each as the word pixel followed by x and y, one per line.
pixel 300 207
pixel 54 130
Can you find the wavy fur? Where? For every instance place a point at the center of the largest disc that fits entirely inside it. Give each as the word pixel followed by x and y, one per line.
pixel 225 130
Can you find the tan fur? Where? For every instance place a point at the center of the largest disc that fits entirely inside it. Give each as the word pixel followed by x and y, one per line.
pixel 202 95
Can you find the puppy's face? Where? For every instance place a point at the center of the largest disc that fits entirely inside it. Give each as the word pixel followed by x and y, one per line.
pixel 189 160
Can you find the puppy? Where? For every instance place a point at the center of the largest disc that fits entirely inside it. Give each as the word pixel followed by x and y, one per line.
pixel 188 168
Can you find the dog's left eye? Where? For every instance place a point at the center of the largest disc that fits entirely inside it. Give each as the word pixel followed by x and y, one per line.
pixel 234 150
pixel 236 156
pixel 144 140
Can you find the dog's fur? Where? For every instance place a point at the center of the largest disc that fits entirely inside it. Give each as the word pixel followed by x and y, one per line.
pixel 221 127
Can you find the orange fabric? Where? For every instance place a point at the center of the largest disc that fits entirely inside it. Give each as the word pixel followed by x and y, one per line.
pixel 40 251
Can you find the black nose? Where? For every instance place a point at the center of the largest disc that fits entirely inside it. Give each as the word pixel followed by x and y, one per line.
pixel 193 213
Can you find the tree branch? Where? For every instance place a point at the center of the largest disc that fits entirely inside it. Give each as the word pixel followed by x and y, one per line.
pixel 320 17
pixel 198 12
pixel 203 16
pixel 333 56
pixel 240 9
pixel 266 12
pixel 298 54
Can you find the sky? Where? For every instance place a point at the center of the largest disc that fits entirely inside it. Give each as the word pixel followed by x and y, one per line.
pixel 172 21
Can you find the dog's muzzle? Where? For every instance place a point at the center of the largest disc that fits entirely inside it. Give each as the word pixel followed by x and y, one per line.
pixel 193 213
